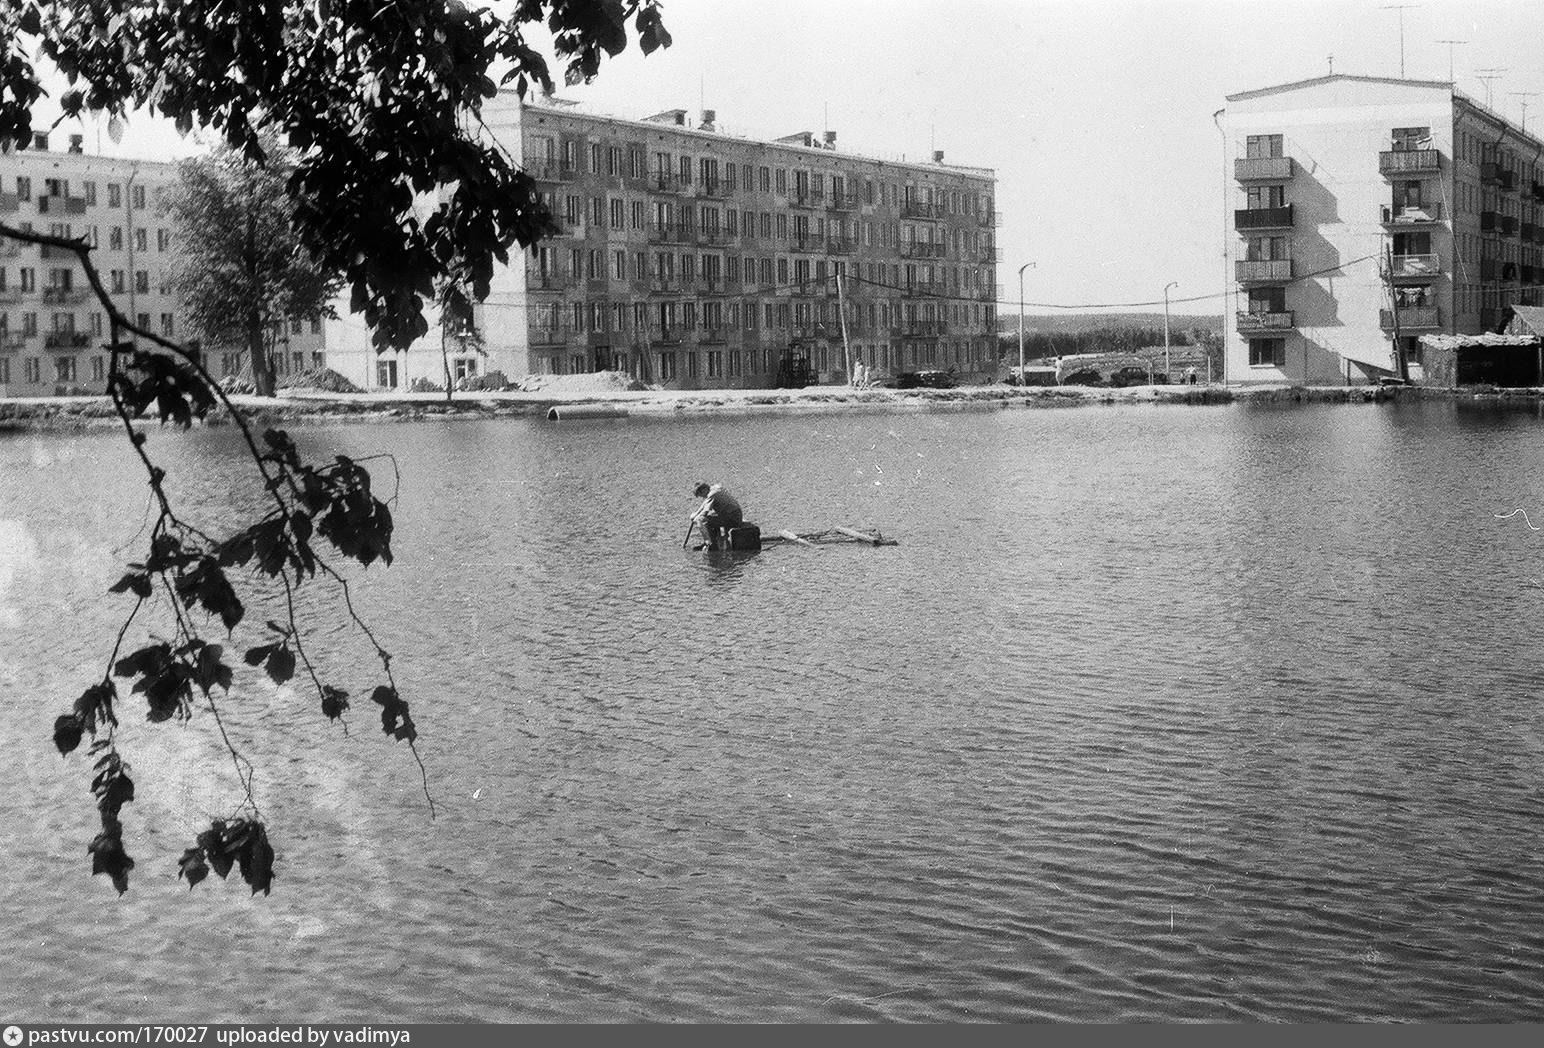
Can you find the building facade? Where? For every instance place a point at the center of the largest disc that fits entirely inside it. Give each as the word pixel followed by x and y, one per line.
pixel 695 259
pixel 52 329
pixel 1367 212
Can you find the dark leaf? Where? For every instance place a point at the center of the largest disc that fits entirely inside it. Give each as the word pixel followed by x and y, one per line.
pixel 213 842
pixel 137 581
pixel 256 859
pixel 108 856
pixel 281 664
pixel 259 653
pixel 334 701
pixel 193 867
pixel 68 730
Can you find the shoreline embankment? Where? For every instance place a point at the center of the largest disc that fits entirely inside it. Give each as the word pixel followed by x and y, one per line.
pixel 300 407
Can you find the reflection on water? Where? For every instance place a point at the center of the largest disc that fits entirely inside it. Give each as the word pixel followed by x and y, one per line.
pixel 1153 714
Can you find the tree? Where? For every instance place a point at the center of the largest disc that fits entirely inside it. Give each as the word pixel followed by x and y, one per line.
pixel 381 101
pixel 242 270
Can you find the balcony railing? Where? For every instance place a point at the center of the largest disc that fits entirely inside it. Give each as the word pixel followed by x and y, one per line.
pixel 50 204
pixel 808 198
pixel 1252 321
pixel 840 245
pixel 1408 161
pixel 1424 266
pixel 922 249
pixel 664 285
pixel 58 294
pixel 660 182
pixel 713 335
pixel 1411 318
pixel 1273 168
pixel 11 294
pixel 1408 214
pixel 1267 269
pixel 842 202
pixel 551 281
pixel 918 209
pixel 809 242
pixel 1496 174
pixel 1263 218
pixel 670 233
pixel 551 171
pixel 551 335
pixel 66 340
pixel 713 188
pixel 923 328
pixel 12 340
pixel 1508 224
pixel 55 253
pixel 715 236
pixel 920 289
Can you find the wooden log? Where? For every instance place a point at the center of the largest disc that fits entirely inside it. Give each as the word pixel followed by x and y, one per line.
pixel 791 537
pixel 876 540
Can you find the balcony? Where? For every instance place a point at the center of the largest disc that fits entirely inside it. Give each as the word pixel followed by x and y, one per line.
pixel 11 294
pixel 924 328
pixel 1508 224
pixel 1410 215
pixel 12 340
pixel 713 189
pixel 713 335
pixel 1420 267
pixel 61 205
pixel 670 233
pixel 808 198
pixel 808 242
pixel 66 340
pixel 666 336
pixel 842 202
pixel 661 182
pixel 550 282
pixel 55 253
pixel 1409 161
pixel 1263 218
pixel 551 335
pixel 664 285
pixel 1411 318
pixel 551 171
pixel 1271 270
pixel 920 289
pixel 989 253
pixel 60 295
pixel 1489 221
pixel 918 209
pixel 1269 168
pixel 922 249
pixel 1492 173
pixel 715 237
pixel 1252 321
pixel 840 245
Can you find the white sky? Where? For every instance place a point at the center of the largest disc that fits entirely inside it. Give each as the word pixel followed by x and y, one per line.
pixel 1096 115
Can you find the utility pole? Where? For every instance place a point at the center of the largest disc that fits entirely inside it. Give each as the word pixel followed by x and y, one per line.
pixel 1401 8
pixel 841 313
pixel 1400 368
pixel 1172 283
pixel 1026 265
pixel 1450 45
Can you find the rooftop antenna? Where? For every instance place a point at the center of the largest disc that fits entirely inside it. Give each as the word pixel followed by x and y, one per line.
pixel 1401 8
pixel 1524 95
pixel 1450 45
pixel 1487 75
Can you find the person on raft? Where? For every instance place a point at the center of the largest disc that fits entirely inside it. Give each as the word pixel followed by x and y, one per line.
pixel 718 513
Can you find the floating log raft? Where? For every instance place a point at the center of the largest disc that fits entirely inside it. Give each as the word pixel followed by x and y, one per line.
pixel 831 535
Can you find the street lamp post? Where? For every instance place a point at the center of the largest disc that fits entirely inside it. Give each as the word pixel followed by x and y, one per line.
pixel 1026 265
pixel 1172 283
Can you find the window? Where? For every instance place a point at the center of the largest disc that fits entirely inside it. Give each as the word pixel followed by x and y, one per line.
pixel 782 182
pixel 166 325
pixel 465 367
pixel 115 238
pixel 90 190
pixel 23 188
pixel 114 195
pixel 1267 300
pixel 163 239
pixel 386 374
pixel 1261 197
pixel 685 169
pixel 1261 146
pixel 5 372
pixel 139 198
pixel 1409 139
pixel 141 240
pixel 614 160
pixel 595 158
pixel 1265 249
pixel 28 278
pixel 618 213
pixel 29 326
pixel 1407 195
pixel 118 281
pixel 1267 352
pixel 32 369
pixel 64 369
pixel 142 284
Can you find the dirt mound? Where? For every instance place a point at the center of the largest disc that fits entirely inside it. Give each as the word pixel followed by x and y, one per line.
pixel 593 382
pixel 324 380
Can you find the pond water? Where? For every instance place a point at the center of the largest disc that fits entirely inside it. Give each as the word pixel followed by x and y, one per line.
pixel 1153 714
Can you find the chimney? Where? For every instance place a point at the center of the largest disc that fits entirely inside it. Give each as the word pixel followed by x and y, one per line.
pixel 938 156
pixel 799 138
pixel 708 117
pixel 830 139
pixel 77 143
pixel 669 116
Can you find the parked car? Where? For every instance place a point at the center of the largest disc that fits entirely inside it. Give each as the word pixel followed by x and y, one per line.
pixel 928 379
pixel 1130 376
pixel 1084 377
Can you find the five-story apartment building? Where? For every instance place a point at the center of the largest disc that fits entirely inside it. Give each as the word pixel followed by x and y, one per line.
pixel 1369 211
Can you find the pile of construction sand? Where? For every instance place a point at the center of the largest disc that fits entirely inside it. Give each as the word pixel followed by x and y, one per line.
pixel 593 382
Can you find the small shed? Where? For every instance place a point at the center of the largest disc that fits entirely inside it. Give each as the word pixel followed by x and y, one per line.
pixel 1487 359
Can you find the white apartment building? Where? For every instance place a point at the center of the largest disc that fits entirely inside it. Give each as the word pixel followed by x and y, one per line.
pixel 1366 206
